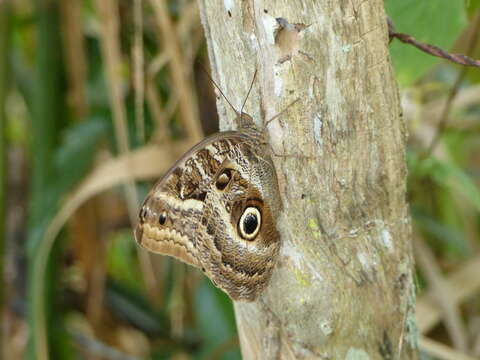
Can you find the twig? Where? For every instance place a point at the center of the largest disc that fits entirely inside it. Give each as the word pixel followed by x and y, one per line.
pixel 430 49
pixel 454 91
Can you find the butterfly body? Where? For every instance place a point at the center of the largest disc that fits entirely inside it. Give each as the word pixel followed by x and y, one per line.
pixel 215 209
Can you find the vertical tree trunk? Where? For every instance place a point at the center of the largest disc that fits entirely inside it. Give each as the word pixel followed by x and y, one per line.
pixel 342 288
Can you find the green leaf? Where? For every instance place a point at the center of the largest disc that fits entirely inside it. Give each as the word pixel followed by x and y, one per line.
pixel 436 22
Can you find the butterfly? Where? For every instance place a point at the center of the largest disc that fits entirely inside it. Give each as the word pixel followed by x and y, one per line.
pixel 216 209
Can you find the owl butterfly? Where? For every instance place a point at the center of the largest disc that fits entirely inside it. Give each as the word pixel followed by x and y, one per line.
pixel 216 208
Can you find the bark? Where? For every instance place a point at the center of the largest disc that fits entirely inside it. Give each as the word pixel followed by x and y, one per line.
pixel 343 287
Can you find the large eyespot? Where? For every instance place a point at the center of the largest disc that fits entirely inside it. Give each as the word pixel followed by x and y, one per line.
pixel 250 223
pixel 223 179
pixel 162 219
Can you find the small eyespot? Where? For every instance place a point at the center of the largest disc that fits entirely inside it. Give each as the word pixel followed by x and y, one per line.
pixel 223 179
pixel 162 219
pixel 228 207
pixel 250 223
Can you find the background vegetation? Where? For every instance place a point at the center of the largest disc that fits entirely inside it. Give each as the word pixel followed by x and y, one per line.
pixel 99 97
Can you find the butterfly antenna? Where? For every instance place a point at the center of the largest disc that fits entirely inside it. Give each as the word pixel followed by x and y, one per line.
pixel 248 93
pixel 219 90
pixel 281 112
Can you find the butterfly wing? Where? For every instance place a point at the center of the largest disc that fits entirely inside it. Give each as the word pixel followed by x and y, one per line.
pixel 215 209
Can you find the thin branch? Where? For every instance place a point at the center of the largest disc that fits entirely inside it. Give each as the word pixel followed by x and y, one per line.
pixel 430 49
pixel 454 91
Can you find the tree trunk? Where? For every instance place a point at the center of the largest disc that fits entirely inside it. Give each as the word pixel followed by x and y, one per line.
pixel 342 288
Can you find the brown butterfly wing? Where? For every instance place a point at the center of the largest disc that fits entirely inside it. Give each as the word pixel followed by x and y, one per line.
pixel 215 209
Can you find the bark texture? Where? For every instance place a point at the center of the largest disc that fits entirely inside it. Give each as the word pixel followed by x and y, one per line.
pixel 343 286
